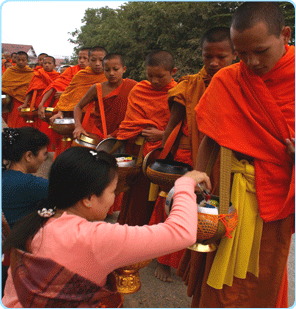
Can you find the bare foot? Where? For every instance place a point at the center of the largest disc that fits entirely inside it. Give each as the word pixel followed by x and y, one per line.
pixel 163 272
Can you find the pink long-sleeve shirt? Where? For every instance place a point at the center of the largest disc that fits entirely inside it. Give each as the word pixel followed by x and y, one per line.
pixel 95 249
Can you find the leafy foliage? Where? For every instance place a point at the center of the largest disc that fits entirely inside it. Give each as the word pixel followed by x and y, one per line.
pixel 136 28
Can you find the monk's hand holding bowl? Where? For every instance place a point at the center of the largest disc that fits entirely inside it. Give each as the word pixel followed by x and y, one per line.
pixel 41 111
pixel 78 131
pixel 22 106
pixel 200 178
pixel 57 115
pixel 152 134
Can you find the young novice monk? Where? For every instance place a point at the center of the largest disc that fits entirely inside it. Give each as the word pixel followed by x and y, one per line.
pixel 253 104
pixel 53 92
pixel 15 82
pixel 113 94
pixel 147 114
pixel 41 79
pixel 39 64
pixel 79 86
pixel 217 52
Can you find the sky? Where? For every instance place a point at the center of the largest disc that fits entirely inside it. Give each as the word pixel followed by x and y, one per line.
pixel 45 24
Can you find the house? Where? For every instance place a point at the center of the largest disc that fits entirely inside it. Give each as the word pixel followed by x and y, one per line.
pixel 14 48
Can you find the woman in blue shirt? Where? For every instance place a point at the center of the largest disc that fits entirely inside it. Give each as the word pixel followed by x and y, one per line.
pixel 23 151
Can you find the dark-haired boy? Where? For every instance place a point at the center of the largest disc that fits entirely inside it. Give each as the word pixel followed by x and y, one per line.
pixel 113 93
pixel 80 84
pixel 41 79
pixel 58 86
pixel 15 82
pixel 217 52
pixel 39 64
pixel 147 115
pixel 250 108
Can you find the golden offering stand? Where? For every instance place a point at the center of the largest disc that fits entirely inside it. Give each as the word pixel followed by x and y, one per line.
pixel 128 277
pixel 29 114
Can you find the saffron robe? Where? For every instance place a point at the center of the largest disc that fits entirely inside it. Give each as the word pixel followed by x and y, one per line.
pixel 147 107
pixel 40 81
pixel 15 82
pixel 78 87
pixel 187 92
pixel 115 104
pixel 252 115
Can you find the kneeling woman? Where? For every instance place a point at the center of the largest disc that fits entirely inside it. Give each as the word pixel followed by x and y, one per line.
pixel 64 254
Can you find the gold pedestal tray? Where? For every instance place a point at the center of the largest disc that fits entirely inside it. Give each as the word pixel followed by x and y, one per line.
pixel 128 278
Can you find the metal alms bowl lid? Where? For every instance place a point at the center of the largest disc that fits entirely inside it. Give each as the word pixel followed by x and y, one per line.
pixel 108 144
pixel 3 96
pixel 64 121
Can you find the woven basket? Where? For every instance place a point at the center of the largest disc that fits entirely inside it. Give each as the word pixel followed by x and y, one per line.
pixel 164 180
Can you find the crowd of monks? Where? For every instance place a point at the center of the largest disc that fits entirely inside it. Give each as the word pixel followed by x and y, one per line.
pixel 161 113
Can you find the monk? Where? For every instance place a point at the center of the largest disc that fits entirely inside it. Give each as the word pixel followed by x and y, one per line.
pixel 41 79
pixel 64 68
pixel 113 93
pixel 15 82
pixel 249 108
pixel 7 64
pixel 147 115
pixel 7 58
pixel 13 58
pixel 39 64
pixel 217 52
pixel 53 92
pixel 79 86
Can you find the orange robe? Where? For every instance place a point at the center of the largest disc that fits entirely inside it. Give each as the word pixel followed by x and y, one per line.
pixel 187 92
pixel 115 104
pixel 15 82
pixel 78 87
pixel 147 107
pixel 253 115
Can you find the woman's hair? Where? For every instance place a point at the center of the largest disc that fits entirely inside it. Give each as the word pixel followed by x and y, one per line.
pixel 16 142
pixel 76 173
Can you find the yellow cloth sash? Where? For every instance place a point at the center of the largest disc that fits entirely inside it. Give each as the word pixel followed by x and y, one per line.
pixel 240 254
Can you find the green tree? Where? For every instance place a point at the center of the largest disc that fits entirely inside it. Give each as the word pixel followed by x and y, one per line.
pixel 136 28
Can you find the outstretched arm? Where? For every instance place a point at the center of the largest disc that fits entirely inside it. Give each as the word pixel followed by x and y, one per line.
pixel 41 109
pixel 89 97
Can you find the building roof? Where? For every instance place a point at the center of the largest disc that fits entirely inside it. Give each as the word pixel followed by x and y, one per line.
pixel 14 48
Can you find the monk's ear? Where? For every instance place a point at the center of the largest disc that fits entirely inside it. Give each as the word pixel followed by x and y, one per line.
pixel 174 71
pixel 286 33
pixel 124 69
pixel 234 56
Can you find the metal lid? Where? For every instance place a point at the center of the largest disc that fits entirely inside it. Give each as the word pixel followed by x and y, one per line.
pixel 64 121
pixel 108 144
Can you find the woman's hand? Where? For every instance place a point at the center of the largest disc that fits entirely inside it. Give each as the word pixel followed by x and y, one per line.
pixel 152 134
pixel 200 178
pixel 78 131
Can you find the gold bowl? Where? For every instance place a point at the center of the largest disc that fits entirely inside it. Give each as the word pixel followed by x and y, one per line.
pixel 64 127
pixel 128 277
pixel 28 114
pixel 48 113
pixel 90 141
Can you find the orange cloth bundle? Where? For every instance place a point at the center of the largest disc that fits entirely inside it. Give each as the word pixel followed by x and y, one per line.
pixel 15 82
pixel 254 115
pixel 78 87
pixel 147 107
